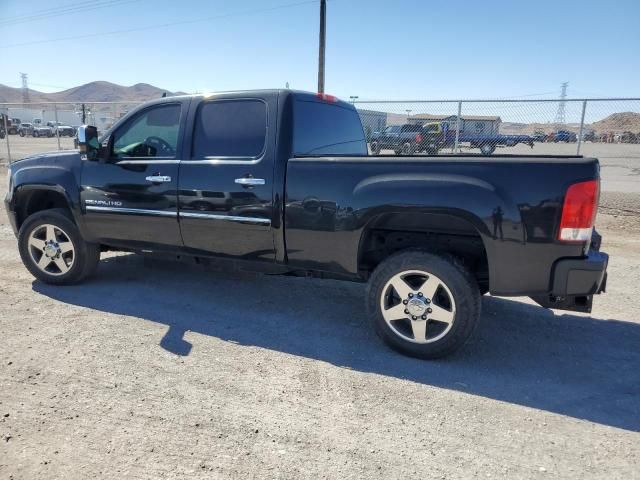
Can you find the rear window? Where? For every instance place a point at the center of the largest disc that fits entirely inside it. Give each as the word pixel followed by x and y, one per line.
pixel 230 128
pixel 322 128
pixel 411 128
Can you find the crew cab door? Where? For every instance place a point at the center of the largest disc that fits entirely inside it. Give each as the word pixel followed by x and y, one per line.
pixel 226 185
pixel 130 195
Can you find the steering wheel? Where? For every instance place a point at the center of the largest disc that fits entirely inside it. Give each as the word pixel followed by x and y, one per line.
pixel 162 146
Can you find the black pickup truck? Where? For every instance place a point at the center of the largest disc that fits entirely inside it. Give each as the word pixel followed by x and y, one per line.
pixel 280 181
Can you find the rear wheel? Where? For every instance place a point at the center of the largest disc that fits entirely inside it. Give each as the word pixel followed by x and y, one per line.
pixel 423 305
pixel 487 149
pixel 408 149
pixel 53 250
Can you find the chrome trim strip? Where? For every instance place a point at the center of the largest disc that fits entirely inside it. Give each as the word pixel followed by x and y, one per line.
pixel 229 218
pixel 140 211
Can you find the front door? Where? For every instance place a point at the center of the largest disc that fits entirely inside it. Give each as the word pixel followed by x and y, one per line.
pixel 226 185
pixel 130 196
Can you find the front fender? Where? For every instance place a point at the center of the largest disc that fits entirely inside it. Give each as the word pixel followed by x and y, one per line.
pixel 59 175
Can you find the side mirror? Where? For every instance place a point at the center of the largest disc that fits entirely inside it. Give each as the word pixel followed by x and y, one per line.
pixel 88 142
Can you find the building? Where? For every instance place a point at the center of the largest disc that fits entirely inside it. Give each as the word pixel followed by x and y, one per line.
pixel 470 124
pixel 372 121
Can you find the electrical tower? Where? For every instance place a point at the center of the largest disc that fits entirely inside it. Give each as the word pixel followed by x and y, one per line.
pixel 560 115
pixel 25 88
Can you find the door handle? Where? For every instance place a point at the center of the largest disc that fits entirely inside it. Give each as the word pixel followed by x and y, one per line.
pixel 158 178
pixel 250 181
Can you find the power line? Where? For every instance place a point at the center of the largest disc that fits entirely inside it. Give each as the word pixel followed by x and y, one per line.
pixel 163 25
pixel 63 11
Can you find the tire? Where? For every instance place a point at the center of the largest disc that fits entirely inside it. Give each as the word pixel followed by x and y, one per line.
pixel 408 149
pixel 487 149
pixel 21 133
pixel 375 148
pixel 456 303
pixel 35 134
pixel 72 260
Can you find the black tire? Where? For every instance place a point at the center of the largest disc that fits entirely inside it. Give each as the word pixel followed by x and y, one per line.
pixel 21 133
pixel 35 134
pixel 487 149
pixel 459 284
pixel 408 149
pixel 375 148
pixel 85 255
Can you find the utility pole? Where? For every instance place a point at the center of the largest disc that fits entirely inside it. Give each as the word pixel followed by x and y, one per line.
pixel 323 32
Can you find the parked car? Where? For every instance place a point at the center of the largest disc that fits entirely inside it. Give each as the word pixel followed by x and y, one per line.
pixel 209 178
pixel 402 139
pixel 13 124
pixel 61 129
pixel 539 137
pixel 565 136
pixel 25 129
pixel 3 120
pixel 41 131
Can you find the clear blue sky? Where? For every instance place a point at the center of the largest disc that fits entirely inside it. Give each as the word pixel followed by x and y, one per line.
pixel 375 49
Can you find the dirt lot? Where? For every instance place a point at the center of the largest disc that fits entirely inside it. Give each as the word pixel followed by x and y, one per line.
pixel 155 370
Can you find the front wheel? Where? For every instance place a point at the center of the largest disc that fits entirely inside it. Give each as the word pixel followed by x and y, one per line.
pixel 423 305
pixel 53 250
pixel 375 148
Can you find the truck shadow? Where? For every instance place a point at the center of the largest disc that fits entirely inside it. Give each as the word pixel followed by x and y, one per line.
pixel 582 367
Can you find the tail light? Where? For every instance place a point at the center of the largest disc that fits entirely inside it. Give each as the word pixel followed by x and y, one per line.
pixel 579 211
pixel 326 97
pixel 418 138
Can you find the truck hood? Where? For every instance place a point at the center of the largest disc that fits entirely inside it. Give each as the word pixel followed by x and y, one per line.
pixel 60 158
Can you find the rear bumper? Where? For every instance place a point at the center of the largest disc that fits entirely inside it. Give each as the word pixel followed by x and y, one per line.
pixel 585 276
pixel 575 282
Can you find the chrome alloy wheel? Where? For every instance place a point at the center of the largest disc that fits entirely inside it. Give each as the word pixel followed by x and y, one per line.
pixel 51 249
pixel 418 306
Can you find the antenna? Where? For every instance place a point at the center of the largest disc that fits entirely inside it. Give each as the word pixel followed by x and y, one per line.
pixel 25 88
pixel 560 115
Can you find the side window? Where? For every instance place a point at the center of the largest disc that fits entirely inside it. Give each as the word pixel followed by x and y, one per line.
pixel 153 133
pixel 230 128
pixel 322 128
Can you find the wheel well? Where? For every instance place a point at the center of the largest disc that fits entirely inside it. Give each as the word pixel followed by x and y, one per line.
pixel 434 232
pixel 34 201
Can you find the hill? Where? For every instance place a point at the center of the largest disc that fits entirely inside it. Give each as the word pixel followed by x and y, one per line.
pixel 619 122
pixel 99 91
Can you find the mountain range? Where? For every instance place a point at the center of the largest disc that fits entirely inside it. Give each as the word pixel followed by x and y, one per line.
pixel 99 91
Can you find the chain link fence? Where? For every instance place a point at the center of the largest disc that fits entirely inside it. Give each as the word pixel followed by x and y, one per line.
pixel 28 128
pixel 605 128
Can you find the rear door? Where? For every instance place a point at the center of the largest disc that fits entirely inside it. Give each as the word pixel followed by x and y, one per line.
pixel 226 186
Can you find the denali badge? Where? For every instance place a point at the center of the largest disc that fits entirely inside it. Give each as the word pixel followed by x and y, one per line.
pixel 103 203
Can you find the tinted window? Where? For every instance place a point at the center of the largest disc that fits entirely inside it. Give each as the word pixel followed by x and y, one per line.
pixel 230 128
pixel 322 128
pixel 411 128
pixel 151 133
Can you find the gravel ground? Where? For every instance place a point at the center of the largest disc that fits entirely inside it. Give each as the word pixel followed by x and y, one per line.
pixel 157 370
